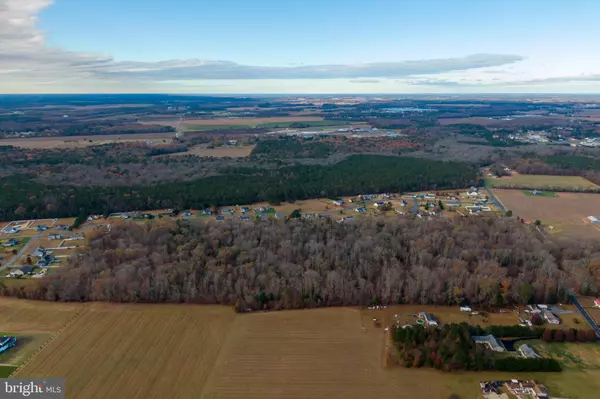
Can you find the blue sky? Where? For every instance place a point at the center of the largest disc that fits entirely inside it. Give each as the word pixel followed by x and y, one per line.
pixel 292 46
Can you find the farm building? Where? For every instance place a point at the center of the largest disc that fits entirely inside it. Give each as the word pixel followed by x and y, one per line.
pixel 7 342
pixel 54 236
pixel 528 352
pixel 550 317
pixel 466 309
pixel 429 319
pixel 490 341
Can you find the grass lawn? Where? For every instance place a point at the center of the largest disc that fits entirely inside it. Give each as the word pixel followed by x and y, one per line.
pixel 542 182
pixel 6 371
pixel 529 193
pixel 581 356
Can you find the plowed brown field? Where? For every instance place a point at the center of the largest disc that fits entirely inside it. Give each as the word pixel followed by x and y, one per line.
pixel 192 351
pixel 566 213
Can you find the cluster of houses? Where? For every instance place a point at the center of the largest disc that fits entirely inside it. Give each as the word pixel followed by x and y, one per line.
pixel 520 389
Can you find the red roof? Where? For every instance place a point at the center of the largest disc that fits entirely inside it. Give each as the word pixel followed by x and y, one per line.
pixel 597 302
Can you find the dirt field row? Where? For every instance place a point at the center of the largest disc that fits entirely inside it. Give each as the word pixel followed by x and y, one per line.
pixel 193 351
pixel 565 213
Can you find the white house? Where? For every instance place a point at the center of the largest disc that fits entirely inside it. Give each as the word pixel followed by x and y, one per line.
pixel 465 309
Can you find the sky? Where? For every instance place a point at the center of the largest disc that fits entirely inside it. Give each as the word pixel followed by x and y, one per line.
pixel 299 46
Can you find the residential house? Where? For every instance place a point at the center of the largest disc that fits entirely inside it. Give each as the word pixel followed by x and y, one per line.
pixel 466 309
pixel 27 270
pixel 490 341
pixel 207 212
pixel 378 204
pixel 429 196
pixel 42 227
pixel 429 319
pixel 452 204
pixel 10 243
pixel 360 209
pixel 39 252
pixel 338 202
pixel 227 211
pixel 528 352
pixel 403 203
pixel 550 317
pixel 186 213
pixel 245 217
pixel 54 236
pixel 597 303
pixel 16 273
pixel 12 230
pixel 220 217
pixel 245 209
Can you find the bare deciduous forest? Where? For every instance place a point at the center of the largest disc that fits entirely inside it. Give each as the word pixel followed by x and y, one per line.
pixel 319 263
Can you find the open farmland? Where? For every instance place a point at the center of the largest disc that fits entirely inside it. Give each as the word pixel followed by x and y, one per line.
pixel 542 182
pixel 565 213
pixel 158 351
pixel 32 316
pixel 136 351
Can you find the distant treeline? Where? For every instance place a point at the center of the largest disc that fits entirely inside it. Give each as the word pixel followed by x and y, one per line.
pixel 21 197
pixel 486 262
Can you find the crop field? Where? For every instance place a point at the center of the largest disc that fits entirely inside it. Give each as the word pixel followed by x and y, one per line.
pixel 84 141
pixel 566 214
pixel 541 182
pixel 35 317
pixel 157 351
pixel 136 351
pixel 217 152
pixel 232 121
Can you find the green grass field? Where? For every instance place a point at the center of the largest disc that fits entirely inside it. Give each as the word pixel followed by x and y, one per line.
pixel 272 125
pixel 6 371
pixel 551 194
pixel 542 182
